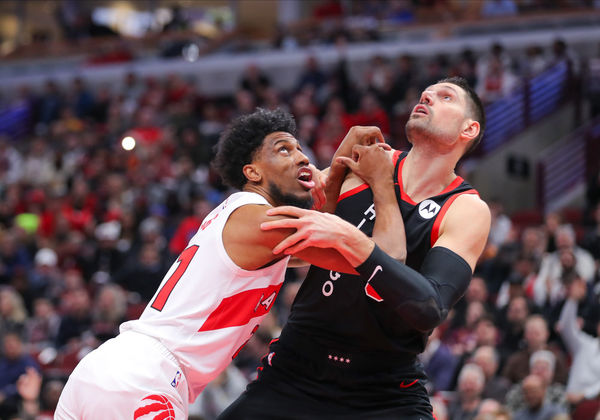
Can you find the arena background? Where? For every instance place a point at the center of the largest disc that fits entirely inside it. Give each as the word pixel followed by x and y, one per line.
pixel 109 111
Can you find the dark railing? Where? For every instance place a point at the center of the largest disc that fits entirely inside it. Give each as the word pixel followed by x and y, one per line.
pixel 565 167
pixel 14 121
pixel 534 99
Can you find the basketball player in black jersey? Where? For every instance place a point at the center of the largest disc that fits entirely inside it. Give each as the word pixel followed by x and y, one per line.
pixel 349 349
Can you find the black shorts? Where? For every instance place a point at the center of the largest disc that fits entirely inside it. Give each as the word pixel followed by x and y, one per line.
pixel 298 386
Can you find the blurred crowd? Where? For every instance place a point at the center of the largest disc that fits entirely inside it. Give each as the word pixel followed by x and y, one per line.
pixel 88 229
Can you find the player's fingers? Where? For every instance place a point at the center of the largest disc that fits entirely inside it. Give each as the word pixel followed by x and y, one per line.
pixel 288 242
pixel 384 146
pixel 281 224
pixel 347 161
pixel 374 135
pixel 319 199
pixel 301 245
pixel 286 211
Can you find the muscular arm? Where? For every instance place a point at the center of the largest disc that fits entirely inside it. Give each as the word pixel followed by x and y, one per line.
pixel 251 248
pixel 422 299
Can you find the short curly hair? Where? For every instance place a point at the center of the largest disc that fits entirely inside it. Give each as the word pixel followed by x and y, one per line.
pixel 243 137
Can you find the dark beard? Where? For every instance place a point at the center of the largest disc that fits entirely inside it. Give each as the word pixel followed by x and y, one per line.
pixel 288 199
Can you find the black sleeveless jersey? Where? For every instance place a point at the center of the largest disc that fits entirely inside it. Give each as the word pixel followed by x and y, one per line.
pixel 339 310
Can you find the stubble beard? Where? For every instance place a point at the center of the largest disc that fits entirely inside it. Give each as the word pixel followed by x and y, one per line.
pixel 428 135
pixel 286 199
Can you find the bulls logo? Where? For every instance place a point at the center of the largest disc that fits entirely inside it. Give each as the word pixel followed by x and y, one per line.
pixel 154 407
pixel 428 209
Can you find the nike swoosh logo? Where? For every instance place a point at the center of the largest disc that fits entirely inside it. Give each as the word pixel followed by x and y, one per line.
pixel 378 268
pixel 403 385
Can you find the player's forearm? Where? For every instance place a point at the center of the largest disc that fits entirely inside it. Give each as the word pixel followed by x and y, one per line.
pixel 335 178
pixel 421 299
pixel 388 232
pixel 354 245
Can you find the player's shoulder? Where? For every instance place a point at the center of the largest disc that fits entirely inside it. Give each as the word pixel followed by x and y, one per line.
pixel 249 214
pixel 470 208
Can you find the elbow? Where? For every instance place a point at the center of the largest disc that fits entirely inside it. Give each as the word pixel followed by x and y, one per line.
pixel 398 255
pixel 424 316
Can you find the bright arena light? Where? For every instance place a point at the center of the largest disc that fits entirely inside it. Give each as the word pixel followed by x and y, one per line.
pixel 128 143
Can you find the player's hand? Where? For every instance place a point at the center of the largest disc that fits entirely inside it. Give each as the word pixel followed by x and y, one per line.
pixel 371 163
pixel 362 135
pixel 318 191
pixel 313 229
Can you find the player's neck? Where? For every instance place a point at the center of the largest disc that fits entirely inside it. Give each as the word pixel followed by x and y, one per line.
pixel 260 190
pixel 425 174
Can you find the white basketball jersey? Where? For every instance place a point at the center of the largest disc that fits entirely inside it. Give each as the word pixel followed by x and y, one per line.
pixel 207 307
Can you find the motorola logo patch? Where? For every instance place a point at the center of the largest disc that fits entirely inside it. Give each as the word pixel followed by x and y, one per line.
pixel 428 209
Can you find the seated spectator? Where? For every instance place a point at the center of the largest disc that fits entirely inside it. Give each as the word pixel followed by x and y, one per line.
pixel 548 288
pixel 42 327
pixel 536 338
pixel 584 376
pixel 77 318
pixel 520 282
pixel 255 81
pixel 511 321
pixel 49 398
pixel 471 381
pixel 463 339
pixel 542 365
pixel 219 394
pixel 189 226
pixel 496 386
pixel 439 362
pixel 534 391
pixel 497 81
pixel 12 310
pixel 491 409
pixel 108 311
pixel 13 363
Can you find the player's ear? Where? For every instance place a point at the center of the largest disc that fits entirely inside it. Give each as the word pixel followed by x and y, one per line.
pixel 252 173
pixel 470 129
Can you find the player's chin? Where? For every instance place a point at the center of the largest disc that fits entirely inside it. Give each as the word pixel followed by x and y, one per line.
pixel 303 200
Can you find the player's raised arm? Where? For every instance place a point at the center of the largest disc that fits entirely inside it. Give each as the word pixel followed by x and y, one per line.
pixel 357 135
pixel 374 165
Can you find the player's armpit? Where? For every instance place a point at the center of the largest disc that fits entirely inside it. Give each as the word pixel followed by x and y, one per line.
pixel 466 227
pixel 297 262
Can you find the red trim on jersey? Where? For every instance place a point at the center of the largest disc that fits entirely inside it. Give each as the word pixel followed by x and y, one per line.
pixel 435 231
pixel 353 191
pixel 403 194
pixel 455 183
pixel 239 309
pixel 402 385
pixel 396 156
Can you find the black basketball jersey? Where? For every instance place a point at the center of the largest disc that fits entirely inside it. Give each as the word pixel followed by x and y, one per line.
pixel 341 309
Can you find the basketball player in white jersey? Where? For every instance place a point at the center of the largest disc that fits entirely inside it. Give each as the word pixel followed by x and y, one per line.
pixel 214 296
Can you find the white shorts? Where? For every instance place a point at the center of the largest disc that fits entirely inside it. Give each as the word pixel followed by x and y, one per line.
pixel 131 376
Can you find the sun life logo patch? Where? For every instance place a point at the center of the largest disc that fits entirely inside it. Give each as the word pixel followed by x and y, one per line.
pixel 428 209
